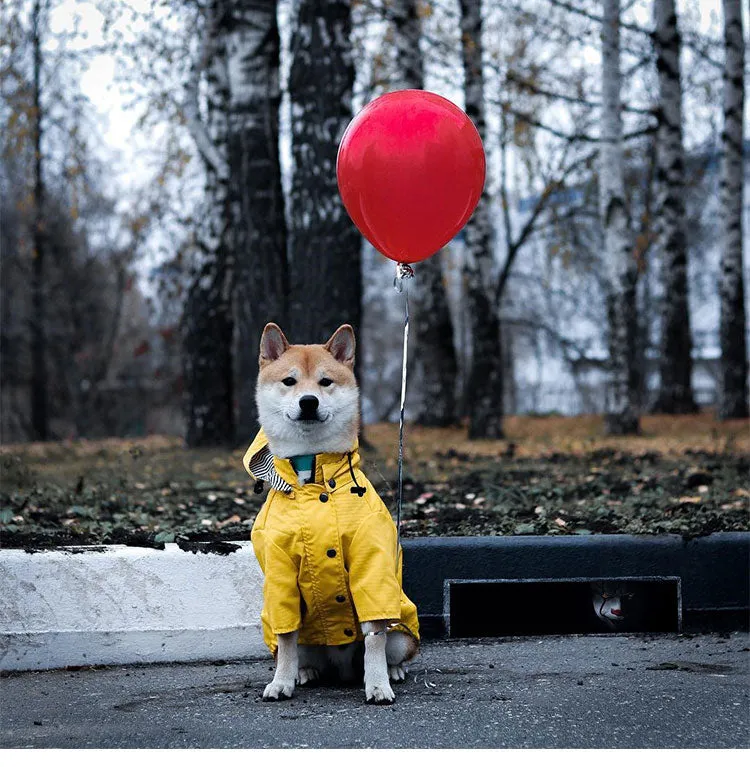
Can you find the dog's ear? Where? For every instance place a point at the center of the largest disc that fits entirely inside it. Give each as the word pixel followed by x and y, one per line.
pixel 341 345
pixel 273 343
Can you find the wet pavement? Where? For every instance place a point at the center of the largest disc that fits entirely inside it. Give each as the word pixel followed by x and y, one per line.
pixel 624 691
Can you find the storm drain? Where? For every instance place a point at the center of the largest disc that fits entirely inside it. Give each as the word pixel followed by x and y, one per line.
pixel 491 608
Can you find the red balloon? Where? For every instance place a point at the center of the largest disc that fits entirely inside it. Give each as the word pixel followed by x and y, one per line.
pixel 410 170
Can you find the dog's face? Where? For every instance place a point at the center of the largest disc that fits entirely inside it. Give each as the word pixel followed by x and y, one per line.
pixel 307 396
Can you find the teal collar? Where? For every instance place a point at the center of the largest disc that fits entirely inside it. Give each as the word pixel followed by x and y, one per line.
pixel 302 462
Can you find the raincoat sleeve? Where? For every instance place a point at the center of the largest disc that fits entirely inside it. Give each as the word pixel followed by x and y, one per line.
pixel 282 602
pixel 373 579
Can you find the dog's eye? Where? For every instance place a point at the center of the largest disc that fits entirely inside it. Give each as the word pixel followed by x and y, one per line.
pixel 289 381
pixel 325 382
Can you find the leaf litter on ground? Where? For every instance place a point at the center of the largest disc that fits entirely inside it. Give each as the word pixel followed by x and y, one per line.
pixel 551 476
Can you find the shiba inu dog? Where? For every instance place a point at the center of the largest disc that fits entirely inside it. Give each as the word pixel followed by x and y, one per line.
pixel 325 541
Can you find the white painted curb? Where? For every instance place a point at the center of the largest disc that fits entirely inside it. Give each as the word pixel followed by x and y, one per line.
pixel 120 604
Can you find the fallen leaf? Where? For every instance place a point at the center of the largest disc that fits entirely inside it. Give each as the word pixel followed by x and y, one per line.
pixel 229 521
pixel 524 528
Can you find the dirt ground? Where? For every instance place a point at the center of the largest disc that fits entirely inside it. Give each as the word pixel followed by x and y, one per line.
pixel 550 476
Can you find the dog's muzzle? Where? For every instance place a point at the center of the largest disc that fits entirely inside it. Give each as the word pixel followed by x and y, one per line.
pixel 308 408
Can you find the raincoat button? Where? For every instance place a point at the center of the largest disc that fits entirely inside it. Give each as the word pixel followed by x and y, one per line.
pixel 349 632
pixel 331 553
pixel 331 483
pixel 339 598
pixel 324 497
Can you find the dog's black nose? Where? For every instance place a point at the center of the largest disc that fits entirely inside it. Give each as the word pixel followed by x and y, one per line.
pixel 308 406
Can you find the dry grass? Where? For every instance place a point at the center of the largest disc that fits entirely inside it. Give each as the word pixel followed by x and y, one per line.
pixel 551 475
pixel 538 437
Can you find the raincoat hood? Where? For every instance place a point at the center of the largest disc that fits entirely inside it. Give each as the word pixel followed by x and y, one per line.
pixel 328 551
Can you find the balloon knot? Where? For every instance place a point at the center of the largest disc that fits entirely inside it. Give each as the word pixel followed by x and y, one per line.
pixel 403 272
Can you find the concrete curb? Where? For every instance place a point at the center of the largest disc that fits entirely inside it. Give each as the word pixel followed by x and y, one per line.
pixel 714 571
pixel 119 604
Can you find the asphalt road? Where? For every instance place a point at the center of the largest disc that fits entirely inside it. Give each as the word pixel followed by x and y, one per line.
pixel 551 692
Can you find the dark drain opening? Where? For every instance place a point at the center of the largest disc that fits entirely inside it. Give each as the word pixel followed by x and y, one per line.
pixel 527 607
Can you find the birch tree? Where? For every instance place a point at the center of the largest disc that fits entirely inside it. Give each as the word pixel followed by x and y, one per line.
pixel 733 371
pixel 433 326
pixel 484 396
pixel 38 390
pixel 257 203
pixel 207 325
pixel 326 288
pixel 621 413
pixel 675 363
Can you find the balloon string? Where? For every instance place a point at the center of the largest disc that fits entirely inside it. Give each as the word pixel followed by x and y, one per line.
pixel 403 273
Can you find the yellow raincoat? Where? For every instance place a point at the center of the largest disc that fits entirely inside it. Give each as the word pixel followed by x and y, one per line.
pixel 328 554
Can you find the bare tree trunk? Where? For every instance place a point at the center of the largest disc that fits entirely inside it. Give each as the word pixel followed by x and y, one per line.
pixel 39 411
pixel 484 397
pixel 257 202
pixel 207 320
pixel 675 393
pixel 622 410
pixel 407 32
pixel 326 278
pixel 641 299
pixel 636 338
pixel 733 394
pixel 433 326
pixel 435 353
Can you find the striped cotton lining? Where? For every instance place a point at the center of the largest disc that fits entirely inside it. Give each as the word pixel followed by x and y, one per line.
pixel 261 467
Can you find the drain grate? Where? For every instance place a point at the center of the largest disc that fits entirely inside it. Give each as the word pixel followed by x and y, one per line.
pixel 490 608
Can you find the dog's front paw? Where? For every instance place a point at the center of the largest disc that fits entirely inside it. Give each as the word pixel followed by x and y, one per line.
pixel 379 693
pixel 397 672
pixel 307 675
pixel 279 689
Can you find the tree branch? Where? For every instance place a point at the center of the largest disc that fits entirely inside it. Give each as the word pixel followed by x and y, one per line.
pixel 529 86
pixel 191 109
pixel 528 228
pixel 573 137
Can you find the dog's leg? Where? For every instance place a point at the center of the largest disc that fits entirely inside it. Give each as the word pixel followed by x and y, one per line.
pixel 312 662
pixel 341 659
pixel 377 686
pixel 287 667
pixel 399 648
